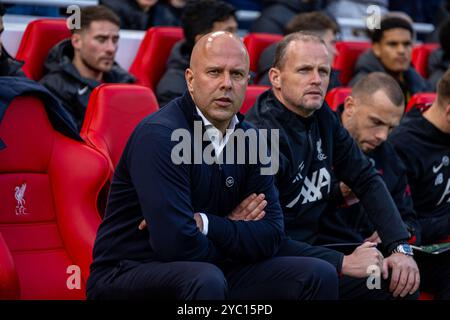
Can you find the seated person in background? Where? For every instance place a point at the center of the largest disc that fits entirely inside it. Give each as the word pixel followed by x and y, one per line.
pixel 439 60
pixel 373 109
pixel 422 141
pixel 8 65
pixel 199 18
pixel 313 146
pixel 276 13
pixel 77 65
pixel 177 8
pixel 316 23
pixel 198 243
pixel 391 53
pixel 142 14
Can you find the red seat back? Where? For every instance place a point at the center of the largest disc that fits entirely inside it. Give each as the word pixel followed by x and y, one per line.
pixel 151 58
pixel 420 56
pixel 335 97
pixel 421 100
pixel 251 95
pixel 48 202
pixel 9 280
pixel 39 37
pixel 345 60
pixel 113 112
pixel 256 43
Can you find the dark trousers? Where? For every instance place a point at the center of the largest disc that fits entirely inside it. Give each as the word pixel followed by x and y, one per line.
pixel 435 274
pixel 293 278
pixel 357 289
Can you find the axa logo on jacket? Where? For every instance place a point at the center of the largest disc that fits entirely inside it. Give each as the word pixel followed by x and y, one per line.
pixel 311 190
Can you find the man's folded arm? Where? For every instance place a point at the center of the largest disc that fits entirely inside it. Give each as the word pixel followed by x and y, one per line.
pixel 163 189
pixel 251 240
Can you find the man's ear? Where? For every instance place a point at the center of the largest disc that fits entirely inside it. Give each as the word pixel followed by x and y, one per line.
pixel 76 40
pixel 349 106
pixel 274 77
pixel 189 76
pixel 376 49
pixel 447 113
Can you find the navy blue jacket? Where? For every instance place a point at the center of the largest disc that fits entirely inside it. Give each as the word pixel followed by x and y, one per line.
pixel 343 223
pixel 311 150
pixel 12 87
pixel 425 150
pixel 147 184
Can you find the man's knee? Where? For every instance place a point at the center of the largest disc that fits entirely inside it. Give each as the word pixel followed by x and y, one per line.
pixel 324 279
pixel 318 278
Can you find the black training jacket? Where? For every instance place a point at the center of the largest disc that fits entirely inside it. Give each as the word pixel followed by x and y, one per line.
pixel 425 150
pixel 311 150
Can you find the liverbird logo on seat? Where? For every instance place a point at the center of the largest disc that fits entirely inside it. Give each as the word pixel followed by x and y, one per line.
pixel 20 198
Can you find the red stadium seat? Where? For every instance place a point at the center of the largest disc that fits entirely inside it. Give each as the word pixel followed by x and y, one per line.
pixel 345 60
pixel 48 214
pixel 39 37
pixel 9 280
pixel 420 56
pixel 151 59
pixel 421 101
pixel 251 95
pixel 113 112
pixel 256 43
pixel 335 97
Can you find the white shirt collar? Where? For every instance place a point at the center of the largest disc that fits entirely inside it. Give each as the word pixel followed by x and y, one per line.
pixel 234 121
pixel 215 135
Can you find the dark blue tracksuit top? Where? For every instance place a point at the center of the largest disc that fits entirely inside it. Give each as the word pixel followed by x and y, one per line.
pixel 147 184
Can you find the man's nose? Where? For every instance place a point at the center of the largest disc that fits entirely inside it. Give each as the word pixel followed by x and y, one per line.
pixel 401 49
pixel 316 78
pixel 111 46
pixel 226 81
pixel 382 134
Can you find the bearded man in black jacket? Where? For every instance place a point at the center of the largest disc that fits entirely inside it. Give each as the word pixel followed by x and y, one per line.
pixel 76 66
pixel 314 147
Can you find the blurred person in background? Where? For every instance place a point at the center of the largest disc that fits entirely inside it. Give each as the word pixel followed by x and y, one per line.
pixel 199 18
pixel 76 66
pixel 8 65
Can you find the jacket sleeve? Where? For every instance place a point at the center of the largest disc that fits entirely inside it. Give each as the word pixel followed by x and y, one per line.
pixel 163 190
pixel 251 240
pixel 401 194
pixel 436 225
pixel 354 169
